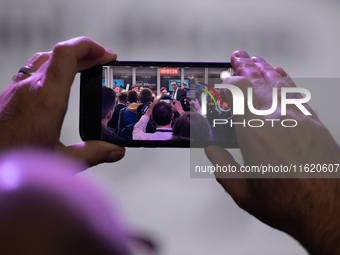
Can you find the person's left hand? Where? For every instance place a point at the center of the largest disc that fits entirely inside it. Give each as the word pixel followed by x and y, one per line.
pixel 196 105
pixel 32 108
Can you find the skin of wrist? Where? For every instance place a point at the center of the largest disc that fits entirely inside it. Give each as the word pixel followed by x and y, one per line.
pixel 320 235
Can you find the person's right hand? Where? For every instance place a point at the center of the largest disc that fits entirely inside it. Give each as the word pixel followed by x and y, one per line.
pixel 177 106
pixel 307 209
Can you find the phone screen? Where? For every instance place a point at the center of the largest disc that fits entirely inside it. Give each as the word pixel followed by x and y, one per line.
pixel 157 104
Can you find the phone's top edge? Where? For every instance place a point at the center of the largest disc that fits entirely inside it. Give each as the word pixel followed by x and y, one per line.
pixel 168 63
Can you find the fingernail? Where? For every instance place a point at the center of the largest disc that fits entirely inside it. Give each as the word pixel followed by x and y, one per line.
pixel 110 51
pixel 115 155
pixel 258 60
pixel 241 54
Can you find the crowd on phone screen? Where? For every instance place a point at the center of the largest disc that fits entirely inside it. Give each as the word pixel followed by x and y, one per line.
pixel 123 116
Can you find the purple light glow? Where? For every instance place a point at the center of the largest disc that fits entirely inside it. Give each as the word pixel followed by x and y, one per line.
pixel 10 175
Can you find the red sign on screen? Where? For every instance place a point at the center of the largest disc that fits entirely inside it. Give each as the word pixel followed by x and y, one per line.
pixel 169 71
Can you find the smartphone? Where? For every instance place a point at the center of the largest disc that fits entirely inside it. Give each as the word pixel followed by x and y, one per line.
pixel 191 85
pixel 169 101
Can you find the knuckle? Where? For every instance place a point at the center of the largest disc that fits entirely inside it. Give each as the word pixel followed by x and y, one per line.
pixel 37 55
pixel 60 48
pixel 37 59
pixel 83 38
pixel 40 55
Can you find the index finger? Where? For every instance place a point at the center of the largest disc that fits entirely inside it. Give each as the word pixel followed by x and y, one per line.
pixel 71 56
pixel 244 66
pixel 262 76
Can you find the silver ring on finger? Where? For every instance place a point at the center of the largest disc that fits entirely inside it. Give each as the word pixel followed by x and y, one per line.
pixel 27 70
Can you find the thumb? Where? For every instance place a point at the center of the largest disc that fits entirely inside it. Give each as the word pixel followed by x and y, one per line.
pixel 96 152
pixel 233 182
